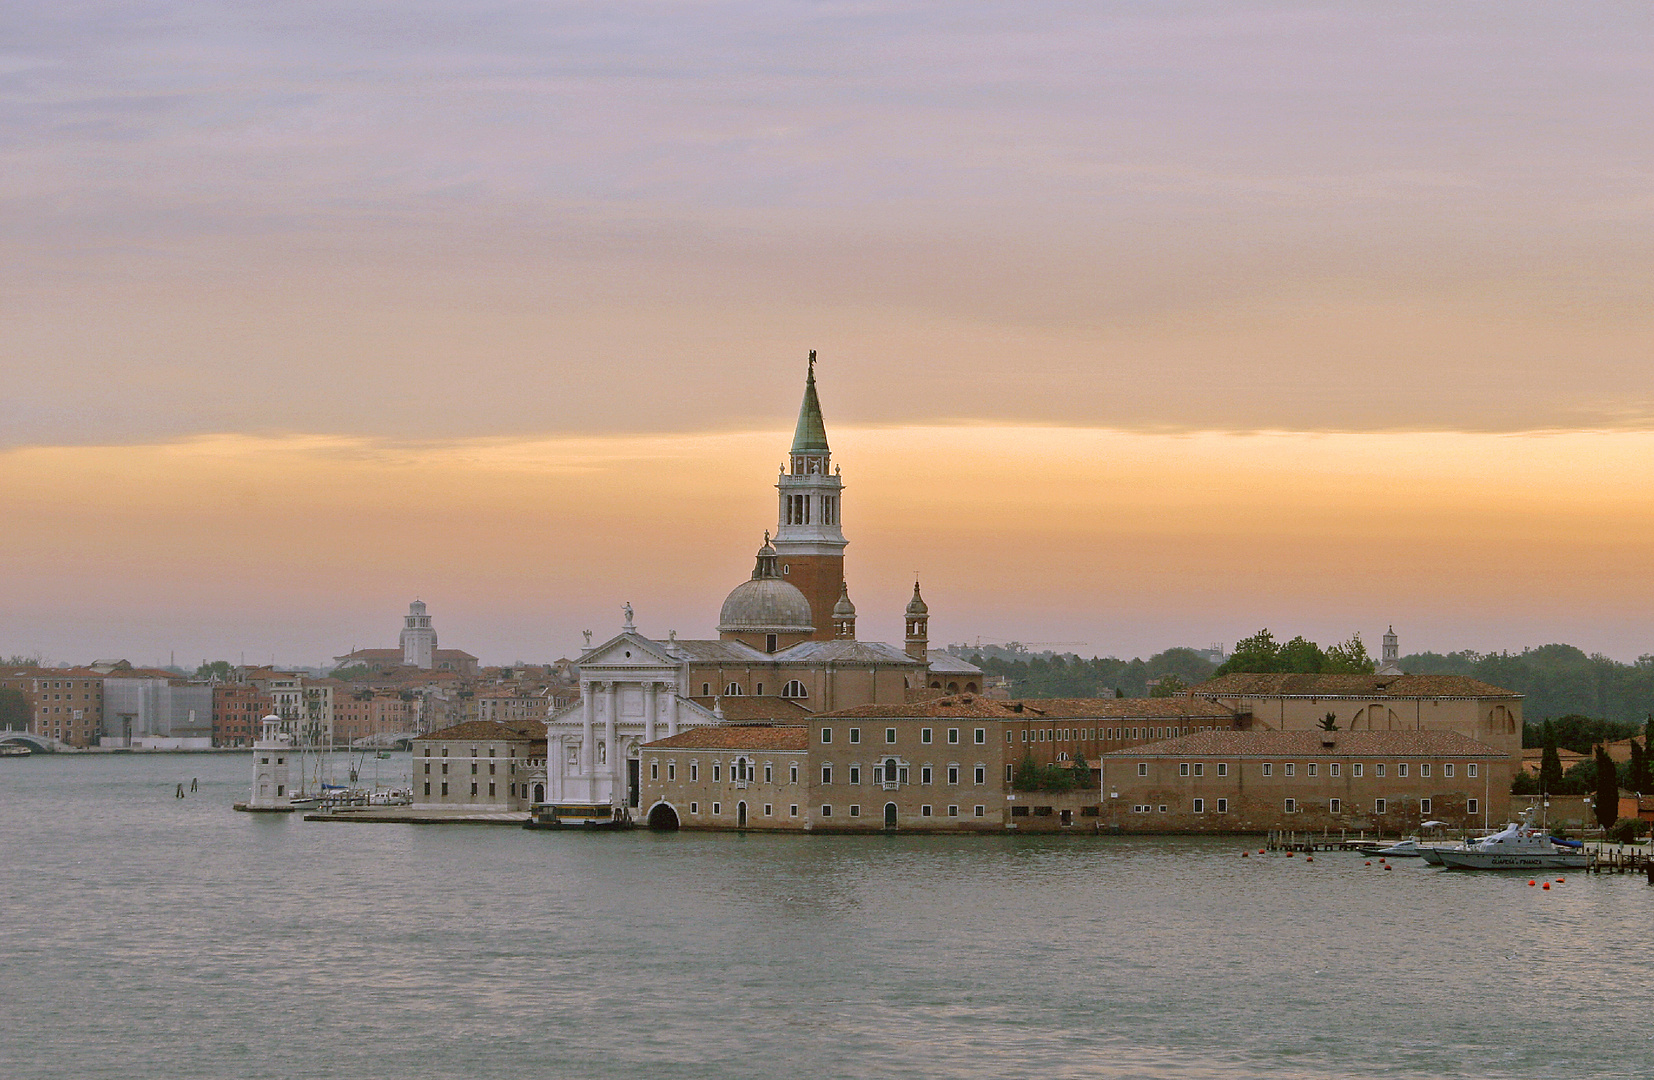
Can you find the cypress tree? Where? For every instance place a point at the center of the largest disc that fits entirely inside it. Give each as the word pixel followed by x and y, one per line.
pixel 1639 767
pixel 1608 790
pixel 1550 763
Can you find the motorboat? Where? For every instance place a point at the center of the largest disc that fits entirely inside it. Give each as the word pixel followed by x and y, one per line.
pixel 1401 849
pixel 1518 846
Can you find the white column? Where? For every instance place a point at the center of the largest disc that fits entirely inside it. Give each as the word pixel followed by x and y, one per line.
pixel 588 752
pixel 672 713
pixel 611 713
pixel 650 703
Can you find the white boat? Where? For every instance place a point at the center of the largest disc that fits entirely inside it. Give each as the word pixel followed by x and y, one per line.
pixel 1518 846
pixel 1401 849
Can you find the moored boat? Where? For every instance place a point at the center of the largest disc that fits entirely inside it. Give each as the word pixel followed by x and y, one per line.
pixel 1518 846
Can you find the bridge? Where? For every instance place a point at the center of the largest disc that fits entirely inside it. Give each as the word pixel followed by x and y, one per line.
pixel 43 743
pixel 390 740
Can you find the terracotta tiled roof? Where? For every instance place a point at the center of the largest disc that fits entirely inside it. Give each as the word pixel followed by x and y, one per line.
pixel 755 708
pixel 1312 744
pixel 488 729
pixel 1163 708
pixel 968 705
pixel 1365 686
pixel 737 737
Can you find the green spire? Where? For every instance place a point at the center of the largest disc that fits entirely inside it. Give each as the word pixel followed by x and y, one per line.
pixel 811 436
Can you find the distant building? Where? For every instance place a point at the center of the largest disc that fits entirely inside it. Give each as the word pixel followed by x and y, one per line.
pixel 1254 781
pixel 65 704
pixel 479 765
pixel 237 709
pixel 156 713
pixel 418 650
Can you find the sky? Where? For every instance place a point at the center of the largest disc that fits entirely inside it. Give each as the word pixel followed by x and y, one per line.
pixel 1140 324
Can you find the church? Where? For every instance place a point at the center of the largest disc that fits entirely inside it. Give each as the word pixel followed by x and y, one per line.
pixel 786 646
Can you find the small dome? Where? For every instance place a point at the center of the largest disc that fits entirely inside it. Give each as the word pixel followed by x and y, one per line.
pixel 768 605
pixel 844 609
pixel 917 605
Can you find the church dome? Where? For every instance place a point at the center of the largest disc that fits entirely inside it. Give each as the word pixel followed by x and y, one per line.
pixel 767 605
pixel 917 606
pixel 844 609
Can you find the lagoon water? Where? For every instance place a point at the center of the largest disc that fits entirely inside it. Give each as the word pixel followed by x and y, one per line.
pixel 147 936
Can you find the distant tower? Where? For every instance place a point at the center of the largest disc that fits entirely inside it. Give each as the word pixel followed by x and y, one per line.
pixel 271 786
pixel 808 538
pixel 844 616
pixel 418 638
pixel 918 626
pixel 1392 654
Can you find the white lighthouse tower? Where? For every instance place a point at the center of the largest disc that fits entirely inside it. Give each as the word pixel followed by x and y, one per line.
pixel 272 786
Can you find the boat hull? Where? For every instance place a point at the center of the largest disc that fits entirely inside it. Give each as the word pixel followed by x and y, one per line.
pixel 1431 855
pixel 1488 860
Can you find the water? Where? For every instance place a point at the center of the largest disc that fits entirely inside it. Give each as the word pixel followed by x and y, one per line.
pixel 147 936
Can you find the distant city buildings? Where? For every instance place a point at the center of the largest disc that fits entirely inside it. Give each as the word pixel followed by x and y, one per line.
pixel 418 650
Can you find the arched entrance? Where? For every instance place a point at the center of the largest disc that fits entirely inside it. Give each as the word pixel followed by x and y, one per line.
pixel 890 815
pixel 539 793
pixel 740 815
pixel 663 818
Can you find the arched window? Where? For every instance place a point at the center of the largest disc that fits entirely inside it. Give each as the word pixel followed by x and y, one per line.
pixel 794 689
pixel 706 689
pixel 953 688
pixel 733 690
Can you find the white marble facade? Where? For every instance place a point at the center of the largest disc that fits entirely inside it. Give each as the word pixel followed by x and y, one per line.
pixel 630 694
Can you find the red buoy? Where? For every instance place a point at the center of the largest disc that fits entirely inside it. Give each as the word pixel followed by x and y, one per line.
pixel 1531 883
pixel 1387 866
pixel 1244 854
pixel 1309 858
pixel 1369 862
pixel 1547 886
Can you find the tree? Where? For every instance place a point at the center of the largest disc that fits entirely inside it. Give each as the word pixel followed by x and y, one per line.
pixel 1081 771
pixel 218 669
pixel 14 709
pixel 1349 658
pixel 1302 656
pixel 1639 779
pixel 1329 722
pixel 1607 808
pixel 1168 686
pixel 1550 763
pixel 1258 654
pixel 349 672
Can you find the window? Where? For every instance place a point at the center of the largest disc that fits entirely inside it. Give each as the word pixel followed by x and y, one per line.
pixel 981 735
pixel 717 768
pixel 1470 769
pixel 473 768
pixel 826 735
pixel 1268 768
pixel 1357 768
pixel 717 808
pixel 1183 768
pixel 490 790
pixel 427 768
pixel 1424 770
pixel 1313 768
pixel 706 689
pixel 1223 768
pixel 445 789
pixel 953 811
pixel 1470 806
pixel 792 773
pixel 855 736
pixel 427 787
pixel 855 811
pixel 1335 806
pixel 1424 806
pixel 1200 768
pixel 671 770
pixel 981 775
pixel 826 774
pixel 1333 769
pixel 1162 808
pixel 794 689
pixel 1292 768
pixel 953 774
pixel 953 736
pixel 1447 768
pixel 694 808
pixel 1378 769
pixel 1142 768
pixel 473 788
pixel 444 768
pixel 769 773
pixel 924 811
pixel 1008 769
pixel 1200 806
pixel 769 811
pixel 654 770
pixel 855 774
pixel 694 771
pixel 1223 806
pixel 1010 737
pixel 792 811
pixel 1292 806
pixel 1378 806
pixel 733 690
pixel 1401 769
pixel 981 811
pixel 924 735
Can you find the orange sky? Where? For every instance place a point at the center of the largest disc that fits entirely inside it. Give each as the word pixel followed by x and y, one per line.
pixel 1140 325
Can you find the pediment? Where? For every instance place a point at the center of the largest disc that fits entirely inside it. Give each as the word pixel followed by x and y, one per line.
pixel 627 650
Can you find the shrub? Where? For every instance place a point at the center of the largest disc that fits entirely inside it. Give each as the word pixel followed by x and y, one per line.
pixel 1626 830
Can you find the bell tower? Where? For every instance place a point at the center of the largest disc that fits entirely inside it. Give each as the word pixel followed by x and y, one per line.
pixel 809 543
